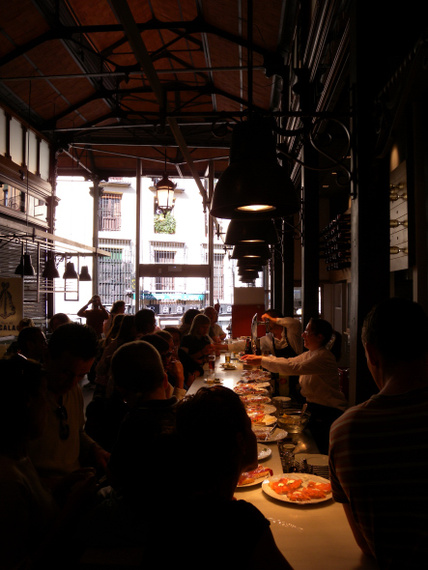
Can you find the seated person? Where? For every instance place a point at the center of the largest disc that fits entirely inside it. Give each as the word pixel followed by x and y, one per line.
pixel 379 448
pixel 163 341
pixel 197 344
pixel 31 343
pixel 217 444
pixel 63 447
pixel 216 332
pixel 34 528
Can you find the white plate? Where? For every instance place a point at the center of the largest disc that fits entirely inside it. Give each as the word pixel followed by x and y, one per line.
pixel 313 459
pixel 256 481
pixel 228 366
pixel 254 399
pixel 305 477
pixel 263 452
pixel 276 435
pixel 266 420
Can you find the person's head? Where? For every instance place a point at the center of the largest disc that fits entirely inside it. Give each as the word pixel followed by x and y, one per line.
pixel 200 325
pixel 127 329
pixel 176 336
pixel 117 307
pixel 145 321
pixel 189 315
pixel 277 330
pixel 25 322
pixel 71 352
pixel 212 314
pixel 31 343
pixel 96 301
pixel 318 333
pixel 57 320
pixel 216 430
pixel 393 319
pixel 22 403
pixel 162 344
pixel 137 371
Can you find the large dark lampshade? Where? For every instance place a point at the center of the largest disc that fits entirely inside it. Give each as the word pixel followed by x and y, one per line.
pixel 251 231
pixel 50 271
pixel 70 272
pixel 25 266
pixel 254 251
pixel 250 273
pixel 248 263
pixel 254 184
pixel 84 274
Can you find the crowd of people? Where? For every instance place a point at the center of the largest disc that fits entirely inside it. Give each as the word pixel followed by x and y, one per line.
pixel 75 478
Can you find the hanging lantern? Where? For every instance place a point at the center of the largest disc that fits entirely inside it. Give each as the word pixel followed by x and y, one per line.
pixel 165 194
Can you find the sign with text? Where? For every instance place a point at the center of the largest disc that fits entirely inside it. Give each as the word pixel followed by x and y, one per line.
pixel 11 304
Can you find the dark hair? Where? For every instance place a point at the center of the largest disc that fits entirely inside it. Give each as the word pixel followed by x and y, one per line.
pixel 26 335
pixel 116 306
pixel 158 341
pixel 189 315
pixel 274 313
pixel 57 320
pixel 208 423
pixel 145 320
pixel 398 328
pixel 324 328
pixel 127 329
pixel 20 380
pixel 137 367
pixel 173 330
pixel 80 341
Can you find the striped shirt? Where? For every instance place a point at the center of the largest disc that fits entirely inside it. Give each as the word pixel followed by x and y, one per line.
pixel 379 466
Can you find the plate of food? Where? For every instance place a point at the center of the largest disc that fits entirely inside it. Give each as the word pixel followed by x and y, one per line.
pixel 261 418
pixel 263 452
pixel 250 389
pixel 298 488
pixel 265 408
pixel 267 434
pixel 228 366
pixel 256 375
pixel 252 399
pixel 254 477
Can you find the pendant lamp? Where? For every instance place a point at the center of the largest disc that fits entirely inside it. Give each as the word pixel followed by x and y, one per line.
pixel 248 263
pixel 248 272
pixel 250 231
pixel 255 251
pixel 50 271
pixel 25 266
pixel 84 274
pixel 254 184
pixel 70 272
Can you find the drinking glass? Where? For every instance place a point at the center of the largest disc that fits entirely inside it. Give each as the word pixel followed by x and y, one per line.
pixel 286 454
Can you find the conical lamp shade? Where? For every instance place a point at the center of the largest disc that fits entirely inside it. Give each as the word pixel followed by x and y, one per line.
pixel 84 274
pixel 250 231
pixel 248 272
pixel 50 271
pixel 260 252
pixel 25 266
pixel 254 184
pixel 70 272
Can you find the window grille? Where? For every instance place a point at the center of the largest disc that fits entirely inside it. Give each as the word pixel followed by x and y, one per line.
pixel 115 273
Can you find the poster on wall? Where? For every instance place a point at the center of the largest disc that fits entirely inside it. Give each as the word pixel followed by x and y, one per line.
pixel 11 303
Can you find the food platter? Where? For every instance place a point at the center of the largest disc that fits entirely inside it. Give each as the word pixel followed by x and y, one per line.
pixel 267 435
pixel 254 477
pixel 309 484
pixel 263 452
